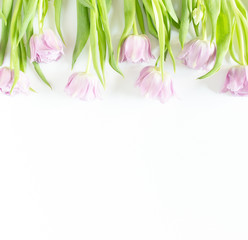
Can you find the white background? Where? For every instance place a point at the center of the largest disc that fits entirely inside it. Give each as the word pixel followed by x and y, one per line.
pixel 126 167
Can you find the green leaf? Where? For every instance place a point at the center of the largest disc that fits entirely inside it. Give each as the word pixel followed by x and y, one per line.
pixel 58 7
pixel 149 8
pixel 167 39
pixel 29 13
pixel 240 15
pixel 150 24
pixel 86 3
pixel 29 34
pixel 94 43
pixel 140 17
pixel 14 46
pixel 7 6
pixel 244 27
pixel 241 8
pixel 169 7
pixel 3 17
pixel 223 38
pixel 83 31
pixel 104 19
pixel 22 55
pixel 44 11
pixel 108 4
pixel 185 20
pixel 194 4
pixel 241 42
pixel 213 9
pixel 40 73
pixel 231 47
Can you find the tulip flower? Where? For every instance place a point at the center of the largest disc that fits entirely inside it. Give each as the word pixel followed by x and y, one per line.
pixel 45 47
pixel 84 86
pixel 151 83
pixel 7 80
pixel 136 49
pixel 237 81
pixel 198 54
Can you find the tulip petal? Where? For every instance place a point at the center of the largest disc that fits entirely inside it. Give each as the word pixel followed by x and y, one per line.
pixel 151 83
pixel 84 86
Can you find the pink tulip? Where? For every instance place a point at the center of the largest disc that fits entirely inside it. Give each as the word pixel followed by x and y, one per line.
pixel 136 49
pixel 237 81
pixel 46 47
pixel 7 80
pixel 84 86
pixel 198 54
pixel 151 83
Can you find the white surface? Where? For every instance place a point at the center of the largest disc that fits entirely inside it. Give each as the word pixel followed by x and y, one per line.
pixel 125 167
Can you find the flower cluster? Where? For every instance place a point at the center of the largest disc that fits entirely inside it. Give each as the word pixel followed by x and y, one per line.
pixel 143 19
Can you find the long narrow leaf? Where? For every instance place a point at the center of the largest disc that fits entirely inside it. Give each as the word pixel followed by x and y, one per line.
pixel 83 31
pixel 58 7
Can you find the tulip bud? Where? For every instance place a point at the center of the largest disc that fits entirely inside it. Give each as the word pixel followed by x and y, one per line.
pixel 197 15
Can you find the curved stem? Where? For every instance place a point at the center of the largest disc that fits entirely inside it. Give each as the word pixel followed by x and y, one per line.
pixel 135 29
pixel 89 61
pixel 161 33
pixel 40 16
pixel 13 33
pixel 238 17
pixel 157 62
pixel 198 3
pixel 204 28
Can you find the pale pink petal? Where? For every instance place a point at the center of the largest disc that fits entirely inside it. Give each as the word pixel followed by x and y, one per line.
pixel 7 79
pixel 198 54
pixel 136 49
pixel 237 81
pixel 45 47
pixel 84 86
pixel 151 83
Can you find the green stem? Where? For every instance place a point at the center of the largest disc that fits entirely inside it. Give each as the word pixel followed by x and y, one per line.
pixel 157 62
pixel 135 29
pixel 204 30
pixel 13 33
pixel 198 3
pixel 89 61
pixel 238 15
pixel 241 44
pixel 40 16
pixel 204 22
pixel 161 33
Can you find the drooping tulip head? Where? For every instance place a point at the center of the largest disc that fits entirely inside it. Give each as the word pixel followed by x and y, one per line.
pixel 198 54
pixel 136 49
pixel 84 86
pixel 45 47
pixel 237 81
pixel 7 80
pixel 151 83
